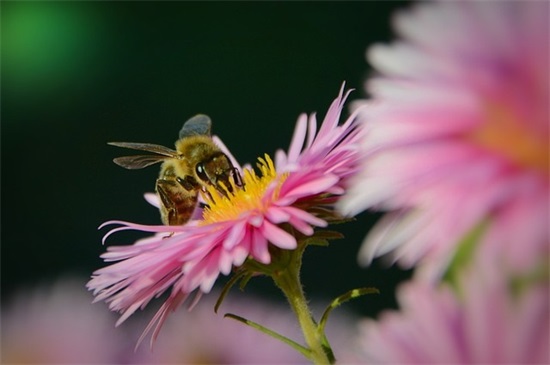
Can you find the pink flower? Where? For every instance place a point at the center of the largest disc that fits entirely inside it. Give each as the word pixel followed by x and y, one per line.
pixel 232 230
pixel 57 324
pixel 485 321
pixel 457 132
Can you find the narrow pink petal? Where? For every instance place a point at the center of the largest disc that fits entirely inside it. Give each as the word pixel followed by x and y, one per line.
pixel 128 312
pixel 333 114
pixel 280 160
pixel 208 280
pixel 138 227
pixel 305 216
pixel 277 236
pixel 225 262
pixel 256 220
pixel 171 304
pixel 301 226
pixel 240 253
pixel 259 247
pixel 308 188
pixel 277 215
pixel 311 133
pixel 298 138
pixel 235 236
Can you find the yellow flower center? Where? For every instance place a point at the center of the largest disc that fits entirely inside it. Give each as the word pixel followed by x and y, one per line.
pixel 505 134
pixel 248 197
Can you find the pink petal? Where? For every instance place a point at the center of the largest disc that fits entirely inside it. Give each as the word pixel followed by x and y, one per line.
pixel 298 138
pixel 277 215
pixel 277 236
pixel 259 247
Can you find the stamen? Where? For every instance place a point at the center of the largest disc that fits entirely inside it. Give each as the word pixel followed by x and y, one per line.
pixel 242 196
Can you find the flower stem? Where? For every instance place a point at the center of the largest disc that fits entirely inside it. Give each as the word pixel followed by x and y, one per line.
pixel 288 280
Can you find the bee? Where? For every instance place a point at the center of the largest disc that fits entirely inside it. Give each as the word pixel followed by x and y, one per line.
pixel 195 164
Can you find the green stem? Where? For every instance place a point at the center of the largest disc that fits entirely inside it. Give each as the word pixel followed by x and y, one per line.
pixel 288 280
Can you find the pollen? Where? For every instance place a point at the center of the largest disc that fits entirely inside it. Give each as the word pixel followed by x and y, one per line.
pixel 505 134
pixel 251 196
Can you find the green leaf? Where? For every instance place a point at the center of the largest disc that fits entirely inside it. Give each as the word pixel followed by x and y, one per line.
pixel 303 350
pixel 227 287
pixel 354 293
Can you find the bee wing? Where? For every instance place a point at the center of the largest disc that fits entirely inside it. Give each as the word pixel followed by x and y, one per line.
pixel 149 147
pixel 200 124
pixel 140 161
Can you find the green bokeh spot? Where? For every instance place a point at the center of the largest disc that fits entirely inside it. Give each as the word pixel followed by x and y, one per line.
pixel 465 251
pixel 45 44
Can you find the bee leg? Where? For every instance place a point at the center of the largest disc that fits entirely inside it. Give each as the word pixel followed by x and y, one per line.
pixel 189 183
pixel 177 203
pixel 170 215
pixel 237 177
pixel 207 194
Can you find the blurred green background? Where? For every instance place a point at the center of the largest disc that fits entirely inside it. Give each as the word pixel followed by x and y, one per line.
pixel 76 75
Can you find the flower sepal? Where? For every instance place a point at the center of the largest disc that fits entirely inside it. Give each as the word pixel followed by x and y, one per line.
pixel 280 261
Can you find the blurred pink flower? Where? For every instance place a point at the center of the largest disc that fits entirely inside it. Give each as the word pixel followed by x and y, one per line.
pixel 457 131
pixel 233 229
pixel 484 320
pixel 57 324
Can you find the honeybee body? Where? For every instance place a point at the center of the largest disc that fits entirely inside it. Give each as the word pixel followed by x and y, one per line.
pixel 177 204
pixel 195 164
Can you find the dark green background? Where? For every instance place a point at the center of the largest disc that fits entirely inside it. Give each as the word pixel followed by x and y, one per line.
pixel 78 74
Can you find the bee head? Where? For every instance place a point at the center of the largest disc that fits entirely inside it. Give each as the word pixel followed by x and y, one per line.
pixel 215 171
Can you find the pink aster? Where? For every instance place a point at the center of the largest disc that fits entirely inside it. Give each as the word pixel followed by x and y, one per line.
pixel 457 133
pixel 55 323
pixel 486 321
pixel 233 229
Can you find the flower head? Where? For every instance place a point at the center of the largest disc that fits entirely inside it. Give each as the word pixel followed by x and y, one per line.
pixel 457 132
pixel 486 321
pixel 245 224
